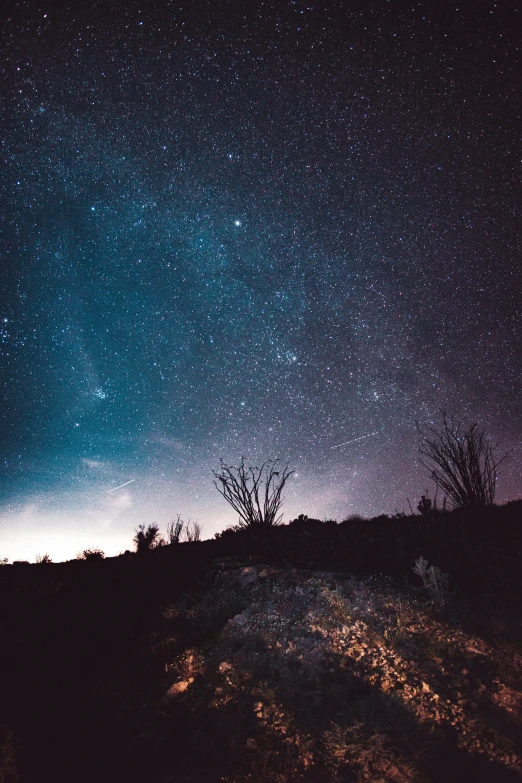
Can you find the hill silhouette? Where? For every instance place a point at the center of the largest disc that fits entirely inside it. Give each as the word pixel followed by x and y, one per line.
pixel 311 652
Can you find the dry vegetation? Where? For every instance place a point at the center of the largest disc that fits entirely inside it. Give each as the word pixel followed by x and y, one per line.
pixel 323 677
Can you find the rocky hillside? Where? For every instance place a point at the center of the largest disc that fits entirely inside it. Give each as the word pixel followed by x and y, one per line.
pixel 320 676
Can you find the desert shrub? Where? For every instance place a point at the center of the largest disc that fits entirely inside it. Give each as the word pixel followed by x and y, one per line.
pixel 425 505
pixel 373 742
pixel 305 522
pixel 174 530
pixel 354 518
pixel 147 538
pixel 299 520
pixel 229 531
pixel 193 532
pixel 428 508
pixel 461 461
pixel 92 554
pixel 255 493
pixel 330 524
pixel 434 581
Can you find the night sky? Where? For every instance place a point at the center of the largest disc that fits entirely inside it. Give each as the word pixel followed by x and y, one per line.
pixel 276 229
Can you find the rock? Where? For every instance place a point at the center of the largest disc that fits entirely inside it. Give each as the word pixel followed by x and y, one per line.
pixel 248 576
pixel 179 687
pixel 239 620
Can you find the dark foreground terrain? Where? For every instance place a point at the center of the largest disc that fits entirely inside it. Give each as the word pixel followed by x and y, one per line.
pixel 313 653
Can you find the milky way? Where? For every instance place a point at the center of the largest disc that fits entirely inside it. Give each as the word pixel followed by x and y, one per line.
pixel 261 229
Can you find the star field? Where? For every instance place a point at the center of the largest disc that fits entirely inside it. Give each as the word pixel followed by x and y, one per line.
pixel 270 229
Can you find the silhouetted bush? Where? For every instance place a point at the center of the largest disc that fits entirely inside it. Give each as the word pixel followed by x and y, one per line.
pixel 255 493
pixel 92 554
pixel 299 520
pixel 147 538
pixel 304 522
pixel 425 506
pixel 230 531
pixel 461 461
pixel 354 518
pixel 43 559
pixel 174 530
pixel 193 532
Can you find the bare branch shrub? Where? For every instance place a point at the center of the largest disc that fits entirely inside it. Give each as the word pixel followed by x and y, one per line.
pixel 255 493
pixel 434 581
pixel 174 530
pixel 461 461
pixel 193 531
pixel 43 559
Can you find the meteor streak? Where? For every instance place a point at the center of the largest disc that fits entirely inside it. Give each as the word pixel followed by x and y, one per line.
pixel 362 437
pixel 121 485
